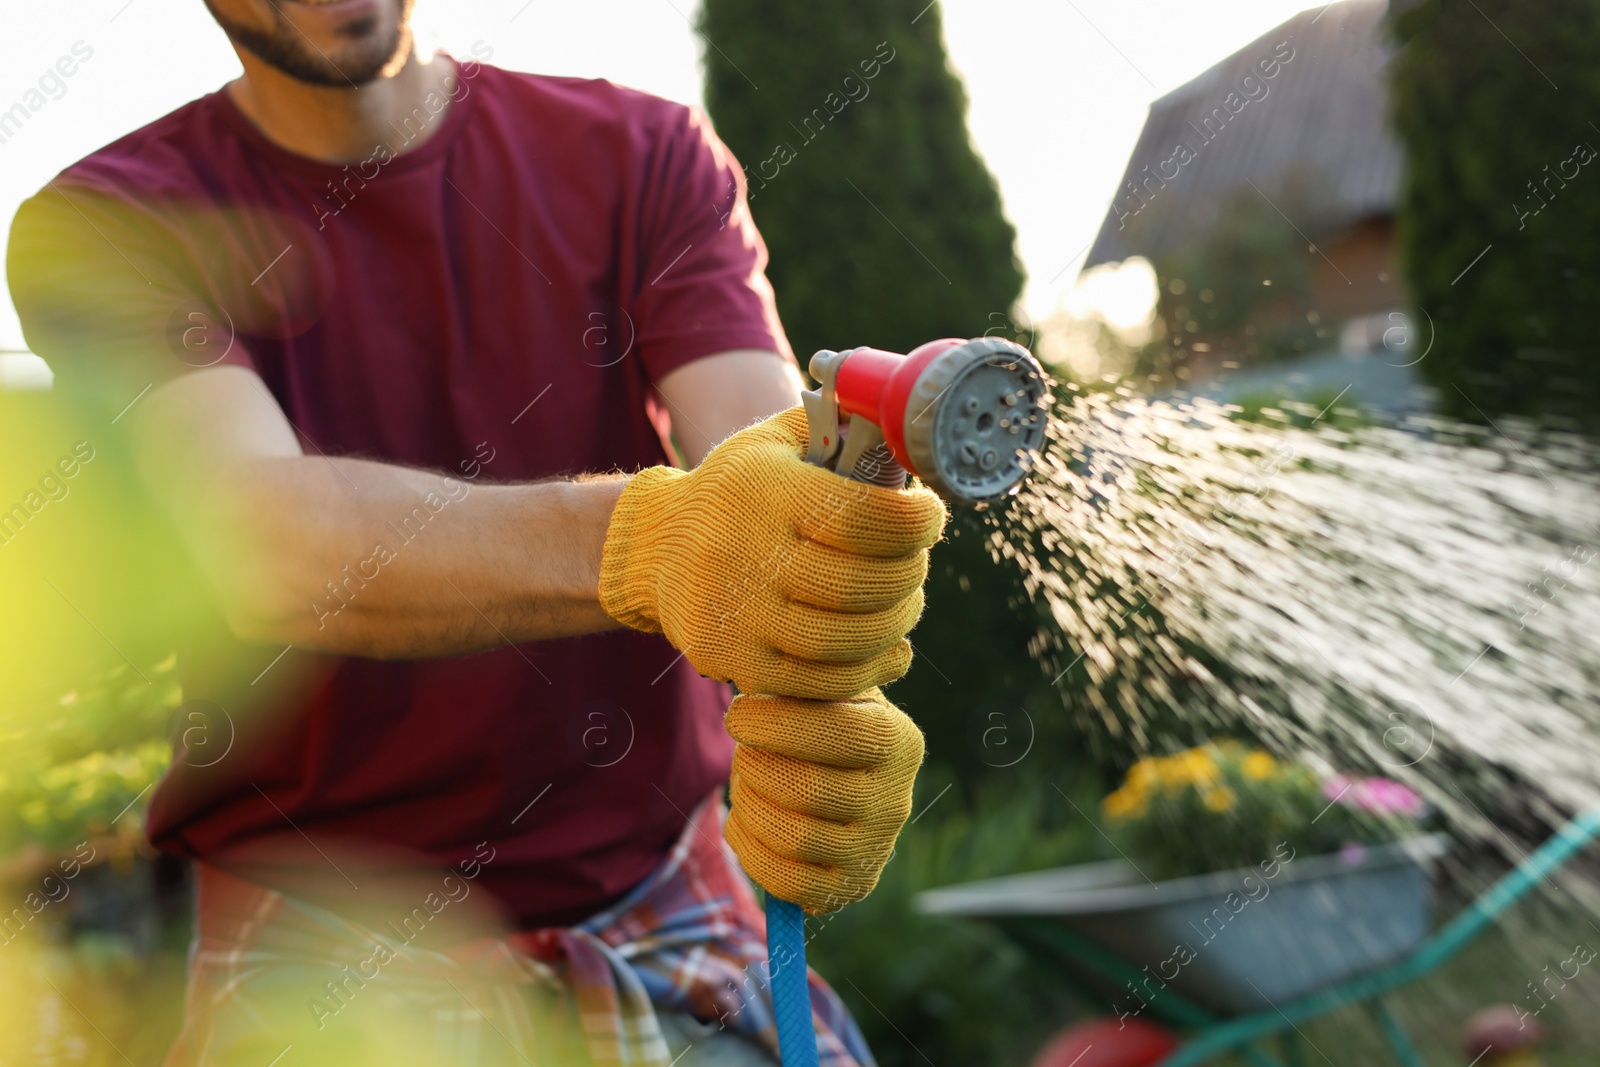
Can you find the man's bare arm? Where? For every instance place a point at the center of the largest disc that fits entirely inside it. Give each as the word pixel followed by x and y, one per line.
pixel 362 558
pixel 356 557
pixel 712 397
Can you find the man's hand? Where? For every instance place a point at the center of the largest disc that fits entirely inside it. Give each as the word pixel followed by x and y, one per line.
pixel 820 792
pixel 766 571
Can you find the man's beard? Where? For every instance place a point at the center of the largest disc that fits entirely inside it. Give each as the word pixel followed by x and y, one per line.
pixel 288 50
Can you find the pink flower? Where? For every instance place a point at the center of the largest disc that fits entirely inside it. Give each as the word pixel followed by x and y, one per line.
pixel 1351 853
pixel 1383 796
pixel 1336 787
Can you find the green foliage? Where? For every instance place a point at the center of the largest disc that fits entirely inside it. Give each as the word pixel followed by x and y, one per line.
pixel 98 590
pixel 953 990
pixel 74 801
pixel 71 767
pixel 884 226
pixel 1495 157
pixel 981 699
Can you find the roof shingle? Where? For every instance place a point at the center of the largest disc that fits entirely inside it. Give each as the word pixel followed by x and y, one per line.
pixel 1322 119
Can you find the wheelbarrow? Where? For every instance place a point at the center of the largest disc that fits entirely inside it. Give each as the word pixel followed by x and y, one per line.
pixel 1234 959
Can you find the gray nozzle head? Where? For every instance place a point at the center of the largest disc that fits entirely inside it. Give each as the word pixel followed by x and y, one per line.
pixel 975 420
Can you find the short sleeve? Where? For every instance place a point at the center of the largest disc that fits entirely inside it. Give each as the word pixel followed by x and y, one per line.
pixel 107 295
pixel 702 286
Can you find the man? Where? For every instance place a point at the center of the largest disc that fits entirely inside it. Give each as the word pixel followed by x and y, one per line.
pixel 305 296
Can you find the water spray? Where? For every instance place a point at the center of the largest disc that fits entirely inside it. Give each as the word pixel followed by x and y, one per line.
pixel 966 417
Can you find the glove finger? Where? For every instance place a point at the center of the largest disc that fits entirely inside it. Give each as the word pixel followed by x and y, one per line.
pixel 805 632
pixel 847 514
pixel 778 672
pixel 801 838
pixel 788 430
pixel 868 520
pixel 867 731
pixel 825 577
pixel 814 789
pixel 815 888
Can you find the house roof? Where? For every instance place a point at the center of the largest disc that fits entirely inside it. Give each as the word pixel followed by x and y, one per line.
pixel 1322 119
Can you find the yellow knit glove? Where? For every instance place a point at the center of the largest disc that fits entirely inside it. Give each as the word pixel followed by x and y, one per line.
pixel 769 572
pixel 820 790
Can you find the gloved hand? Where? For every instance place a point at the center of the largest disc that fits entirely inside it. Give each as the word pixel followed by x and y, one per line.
pixel 820 790
pixel 769 572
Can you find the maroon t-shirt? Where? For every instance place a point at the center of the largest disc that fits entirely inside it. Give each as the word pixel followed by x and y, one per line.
pixel 496 302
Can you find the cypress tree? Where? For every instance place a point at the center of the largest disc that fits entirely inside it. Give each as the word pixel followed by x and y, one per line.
pixel 885 229
pixel 1501 163
pixel 884 225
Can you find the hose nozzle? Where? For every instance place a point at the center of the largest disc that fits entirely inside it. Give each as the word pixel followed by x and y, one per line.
pixel 967 417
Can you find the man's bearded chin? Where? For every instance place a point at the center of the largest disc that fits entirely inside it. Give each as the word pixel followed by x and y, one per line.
pixel 365 51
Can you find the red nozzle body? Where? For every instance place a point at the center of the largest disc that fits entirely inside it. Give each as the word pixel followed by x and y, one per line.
pixel 967 417
pixel 876 386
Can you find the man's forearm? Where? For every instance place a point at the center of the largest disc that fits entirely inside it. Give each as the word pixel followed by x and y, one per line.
pixel 360 558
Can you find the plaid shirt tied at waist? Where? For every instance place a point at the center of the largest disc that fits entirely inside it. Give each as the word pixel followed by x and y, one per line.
pixel 271 976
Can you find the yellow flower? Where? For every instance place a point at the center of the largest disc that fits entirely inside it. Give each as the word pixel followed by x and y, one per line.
pixel 1144 773
pixel 1258 765
pixel 1196 766
pixel 1123 804
pixel 1172 777
pixel 1220 799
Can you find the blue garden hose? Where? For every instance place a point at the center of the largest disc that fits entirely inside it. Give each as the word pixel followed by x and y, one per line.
pixel 791 994
pixel 984 373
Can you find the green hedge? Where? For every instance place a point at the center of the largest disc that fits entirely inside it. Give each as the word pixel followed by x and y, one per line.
pixel 885 227
pixel 1496 104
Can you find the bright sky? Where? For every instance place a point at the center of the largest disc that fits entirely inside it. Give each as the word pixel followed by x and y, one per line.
pixel 1058 88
